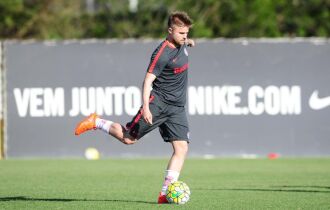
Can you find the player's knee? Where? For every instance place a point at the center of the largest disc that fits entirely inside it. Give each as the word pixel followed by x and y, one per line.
pixel 184 150
pixel 129 141
pixel 181 148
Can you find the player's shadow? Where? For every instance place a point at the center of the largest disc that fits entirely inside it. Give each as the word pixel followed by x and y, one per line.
pixel 299 186
pixel 24 198
pixel 284 188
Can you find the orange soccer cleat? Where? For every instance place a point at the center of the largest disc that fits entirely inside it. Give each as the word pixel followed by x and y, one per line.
pixel 162 199
pixel 86 124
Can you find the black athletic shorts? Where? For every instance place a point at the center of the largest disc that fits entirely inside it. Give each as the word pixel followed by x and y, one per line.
pixel 171 120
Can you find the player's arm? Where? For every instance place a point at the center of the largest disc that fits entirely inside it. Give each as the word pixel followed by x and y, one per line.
pixel 149 78
pixel 190 43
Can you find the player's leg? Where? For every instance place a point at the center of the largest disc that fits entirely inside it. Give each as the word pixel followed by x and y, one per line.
pixel 134 130
pixel 93 121
pixel 172 173
pixel 180 150
pixel 175 164
pixel 119 132
pixel 175 130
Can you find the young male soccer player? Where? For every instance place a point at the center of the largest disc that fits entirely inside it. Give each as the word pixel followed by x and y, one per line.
pixel 164 99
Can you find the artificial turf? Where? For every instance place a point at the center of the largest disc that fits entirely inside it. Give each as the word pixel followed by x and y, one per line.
pixel 294 183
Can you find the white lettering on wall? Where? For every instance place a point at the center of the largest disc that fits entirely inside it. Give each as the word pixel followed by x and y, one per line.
pixel 105 101
pixel 39 102
pixel 274 100
pixel 120 100
pixel 227 100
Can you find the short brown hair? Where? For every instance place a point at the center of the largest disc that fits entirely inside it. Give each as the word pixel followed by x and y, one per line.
pixel 179 18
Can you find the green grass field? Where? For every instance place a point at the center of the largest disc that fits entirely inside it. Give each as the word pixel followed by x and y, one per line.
pixel 134 184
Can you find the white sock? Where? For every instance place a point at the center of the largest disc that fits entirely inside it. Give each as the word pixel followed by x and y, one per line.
pixel 103 125
pixel 170 176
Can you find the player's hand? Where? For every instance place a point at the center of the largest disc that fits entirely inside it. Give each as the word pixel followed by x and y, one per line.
pixel 190 43
pixel 147 116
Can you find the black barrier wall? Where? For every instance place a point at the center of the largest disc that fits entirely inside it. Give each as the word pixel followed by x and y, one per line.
pixel 245 97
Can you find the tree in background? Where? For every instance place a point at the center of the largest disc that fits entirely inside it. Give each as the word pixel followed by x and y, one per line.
pixel 68 19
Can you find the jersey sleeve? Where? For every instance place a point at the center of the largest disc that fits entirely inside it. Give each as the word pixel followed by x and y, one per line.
pixel 158 60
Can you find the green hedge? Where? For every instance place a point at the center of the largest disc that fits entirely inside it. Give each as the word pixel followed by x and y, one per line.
pixel 68 19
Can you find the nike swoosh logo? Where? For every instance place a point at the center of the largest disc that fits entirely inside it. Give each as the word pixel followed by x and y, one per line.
pixel 317 103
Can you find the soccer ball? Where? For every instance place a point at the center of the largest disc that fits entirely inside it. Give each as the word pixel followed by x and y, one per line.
pixel 92 154
pixel 178 192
